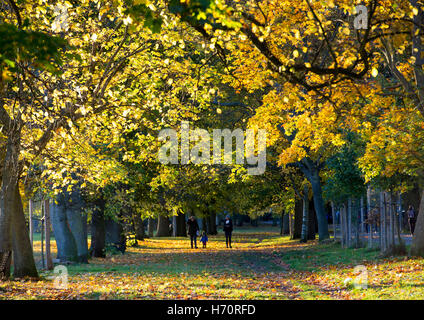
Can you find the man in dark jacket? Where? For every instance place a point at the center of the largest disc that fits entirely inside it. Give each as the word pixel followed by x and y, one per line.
pixel 192 228
pixel 228 229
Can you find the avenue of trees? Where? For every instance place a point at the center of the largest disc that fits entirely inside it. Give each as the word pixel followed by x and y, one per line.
pixel 86 86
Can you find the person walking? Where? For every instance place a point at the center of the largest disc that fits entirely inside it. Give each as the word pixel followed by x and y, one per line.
pixel 228 229
pixel 411 218
pixel 192 230
pixel 204 239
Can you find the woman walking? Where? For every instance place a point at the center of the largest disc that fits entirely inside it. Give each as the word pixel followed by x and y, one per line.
pixel 228 229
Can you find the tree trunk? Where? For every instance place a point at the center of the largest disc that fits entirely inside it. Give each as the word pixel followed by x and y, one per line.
pixel 286 223
pixel 212 230
pixel 205 226
pixel 305 214
pixel 362 219
pixel 23 258
pixel 163 226
pixel 334 220
pixel 343 229
pixel 49 262
pixel 10 178
pixel 370 225
pixel 31 223
pixel 312 221
pixel 76 225
pixel 349 222
pixel 239 219
pixel 182 225
pixel 382 223
pixel 150 227
pixel 315 181
pixel 75 217
pixel 115 235
pixel 98 230
pixel 297 220
pixel 281 223
pixel 138 226
pixel 417 247
pixel 65 242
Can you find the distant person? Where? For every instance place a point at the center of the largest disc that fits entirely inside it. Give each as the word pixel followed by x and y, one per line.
pixel 204 239
pixel 192 230
pixel 411 218
pixel 228 229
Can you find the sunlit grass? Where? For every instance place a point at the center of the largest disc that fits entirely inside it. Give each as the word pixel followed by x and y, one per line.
pixel 261 265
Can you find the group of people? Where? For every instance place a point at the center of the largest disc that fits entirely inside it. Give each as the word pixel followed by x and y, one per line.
pixel 193 231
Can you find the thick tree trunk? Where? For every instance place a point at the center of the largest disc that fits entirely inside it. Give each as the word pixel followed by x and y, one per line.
pixel 315 181
pixel 312 221
pixel 65 242
pixel 23 258
pixel 163 226
pixel 115 235
pixel 297 220
pixel 10 178
pixel 98 230
pixel 180 226
pixel 150 227
pixel 205 226
pixel 138 227
pixel 212 229
pixel 417 247
pixel 286 223
pixel 74 218
pixel 69 227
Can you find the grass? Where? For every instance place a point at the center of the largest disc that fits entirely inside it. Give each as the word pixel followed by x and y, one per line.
pixel 261 265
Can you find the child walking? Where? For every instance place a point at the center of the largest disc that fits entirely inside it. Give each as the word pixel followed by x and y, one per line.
pixel 204 239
